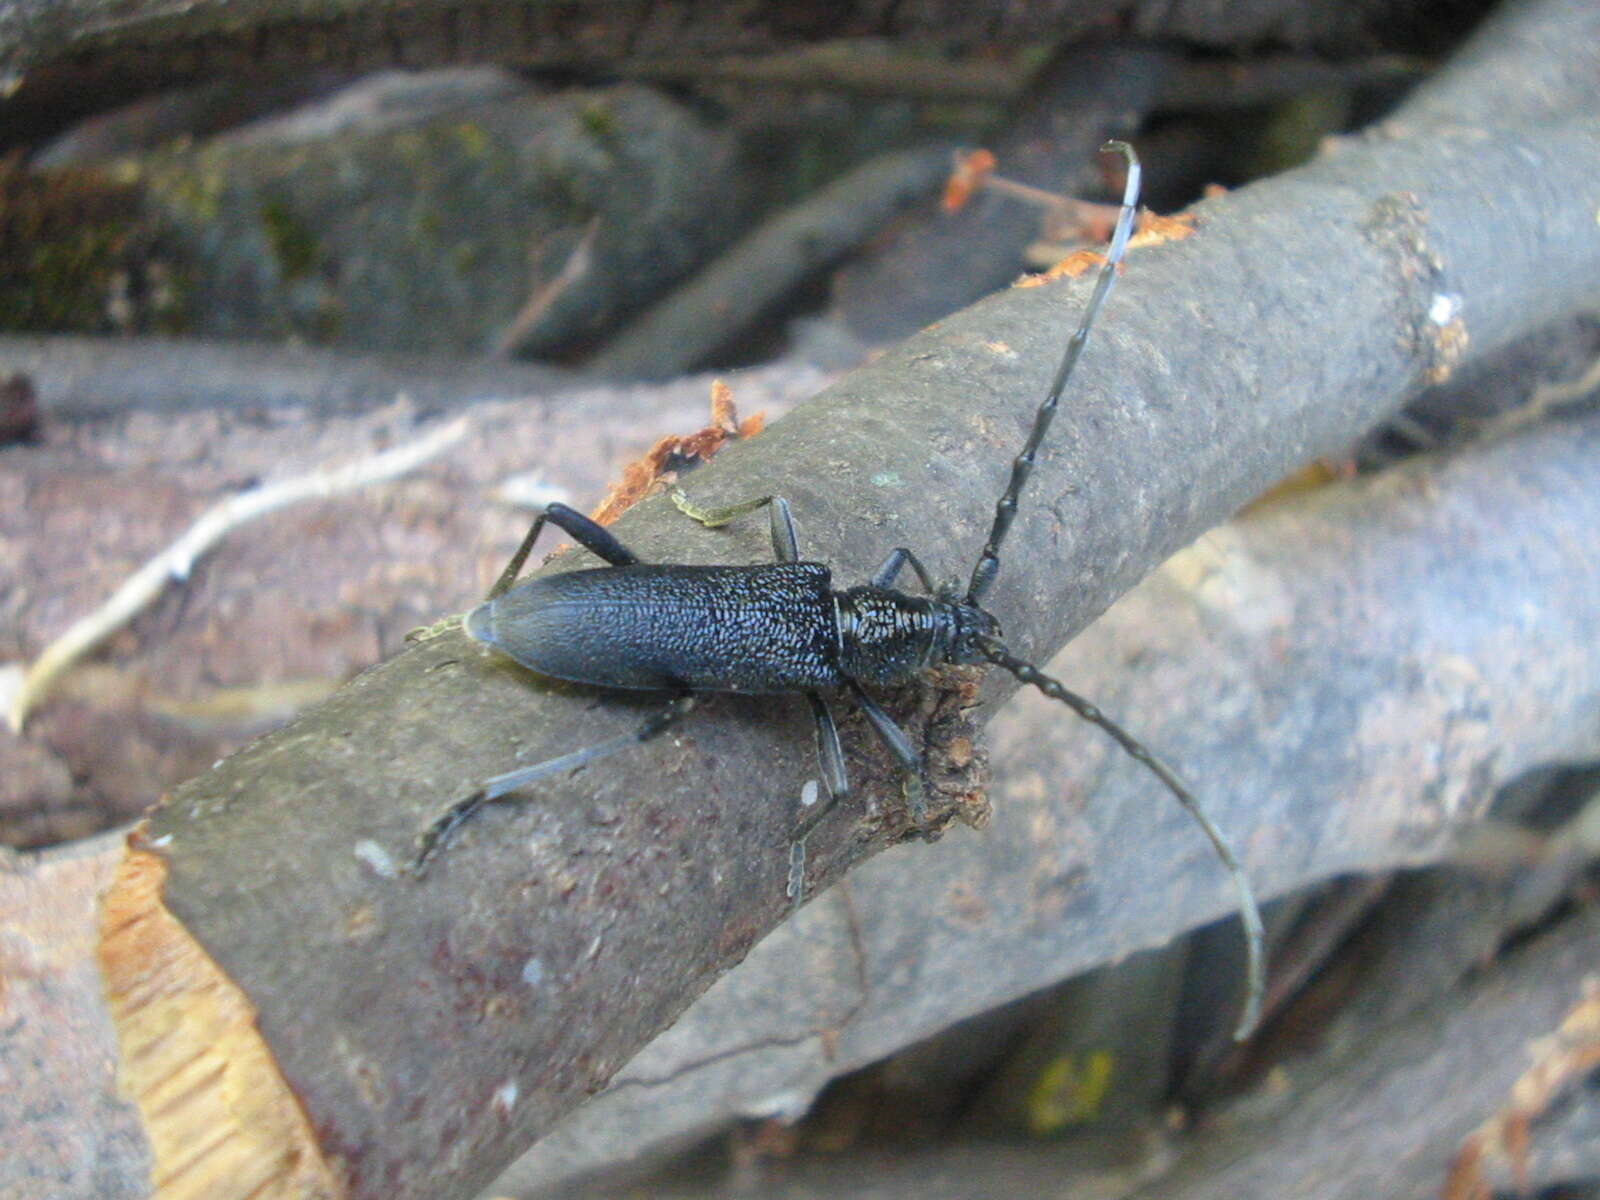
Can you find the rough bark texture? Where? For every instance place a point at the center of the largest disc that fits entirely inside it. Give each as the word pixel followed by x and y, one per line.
pixel 286 610
pixel 1387 1118
pixel 552 941
pixel 1384 1116
pixel 1358 588
pixel 77 377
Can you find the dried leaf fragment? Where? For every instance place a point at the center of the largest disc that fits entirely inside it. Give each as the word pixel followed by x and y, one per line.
pixel 1152 230
pixel 968 175
pixel 1562 1063
pixel 678 452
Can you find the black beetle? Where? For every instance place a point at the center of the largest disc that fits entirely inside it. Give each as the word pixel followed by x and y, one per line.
pixel 783 627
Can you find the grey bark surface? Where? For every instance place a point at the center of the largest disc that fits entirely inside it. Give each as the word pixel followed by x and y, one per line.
pixel 288 608
pixel 554 940
pixel 314 229
pixel 1353 673
pixel 80 377
pixel 67 1132
pixel 1382 1116
pixel 735 290
pixel 1386 1117
pixel 1210 660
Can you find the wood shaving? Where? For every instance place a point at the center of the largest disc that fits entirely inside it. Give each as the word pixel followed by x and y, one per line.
pixel 1562 1062
pixel 967 176
pixel 1152 230
pixel 676 453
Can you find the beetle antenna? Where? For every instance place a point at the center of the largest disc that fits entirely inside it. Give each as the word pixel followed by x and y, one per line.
pixel 1249 914
pixel 1006 510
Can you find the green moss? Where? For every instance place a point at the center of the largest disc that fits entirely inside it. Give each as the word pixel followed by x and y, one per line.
pixel 426 224
pixel 472 139
pixel 466 259
pixel 1068 1091
pixel 600 123
pixel 70 243
pixel 411 148
pixel 197 191
pixel 294 246
pixel 560 189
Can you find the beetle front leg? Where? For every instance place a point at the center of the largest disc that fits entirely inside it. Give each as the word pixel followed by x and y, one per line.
pixel 898 559
pixel 899 745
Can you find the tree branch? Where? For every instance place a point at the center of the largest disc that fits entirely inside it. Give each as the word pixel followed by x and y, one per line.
pixel 78 377
pixel 936 262
pixel 1381 1115
pixel 551 942
pixel 739 287
pixel 1404 598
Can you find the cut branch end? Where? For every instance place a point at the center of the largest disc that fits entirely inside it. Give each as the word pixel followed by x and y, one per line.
pixel 218 1115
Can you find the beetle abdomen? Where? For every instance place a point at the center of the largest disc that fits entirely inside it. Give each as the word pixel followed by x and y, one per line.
pixel 768 628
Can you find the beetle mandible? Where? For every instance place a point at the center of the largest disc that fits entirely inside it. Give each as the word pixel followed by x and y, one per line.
pixel 782 627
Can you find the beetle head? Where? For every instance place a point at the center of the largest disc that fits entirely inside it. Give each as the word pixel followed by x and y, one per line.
pixel 972 625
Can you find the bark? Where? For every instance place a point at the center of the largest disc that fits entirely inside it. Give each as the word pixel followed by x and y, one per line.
pixel 932 263
pixel 67 1132
pixel 927 935
pixel 737 289
pixel 551 942
pixel 78 377
pixel 57 57
pixel 1389 1115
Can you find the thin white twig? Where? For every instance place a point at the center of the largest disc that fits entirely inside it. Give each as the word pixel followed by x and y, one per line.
pixel 1546 399
pixel 178 559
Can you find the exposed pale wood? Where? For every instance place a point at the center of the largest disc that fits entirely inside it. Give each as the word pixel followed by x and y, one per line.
pixel 219 1118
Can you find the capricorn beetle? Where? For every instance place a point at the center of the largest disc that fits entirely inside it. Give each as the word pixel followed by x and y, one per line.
pixel 782 627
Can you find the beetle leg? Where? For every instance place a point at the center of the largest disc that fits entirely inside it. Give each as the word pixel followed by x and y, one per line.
pixel 711 518
pixel 899 745
pixel 885 575
pixel 831 759
pixel 434 838
pixel 785 546
pixel 588 533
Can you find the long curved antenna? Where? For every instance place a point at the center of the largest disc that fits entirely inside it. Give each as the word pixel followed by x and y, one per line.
pixel 1006 510
pixel 1249 914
